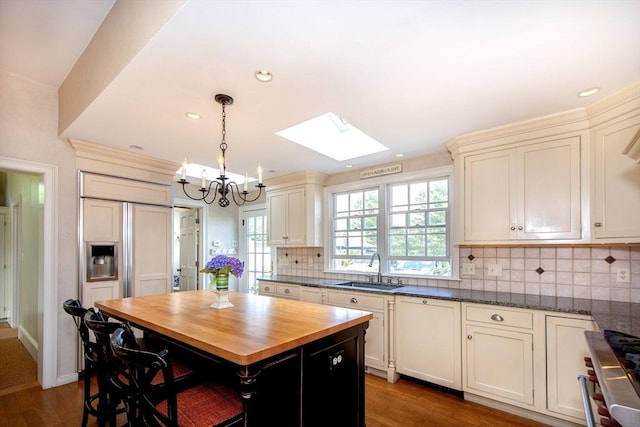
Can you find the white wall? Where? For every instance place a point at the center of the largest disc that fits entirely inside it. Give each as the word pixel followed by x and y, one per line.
pixel 28 132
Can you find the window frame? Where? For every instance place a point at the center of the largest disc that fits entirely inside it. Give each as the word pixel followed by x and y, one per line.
pixel 383 185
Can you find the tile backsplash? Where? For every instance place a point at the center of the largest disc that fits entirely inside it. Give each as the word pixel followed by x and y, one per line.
pixel 564 271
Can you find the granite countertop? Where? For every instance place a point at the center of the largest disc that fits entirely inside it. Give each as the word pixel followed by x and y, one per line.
pixel 619 316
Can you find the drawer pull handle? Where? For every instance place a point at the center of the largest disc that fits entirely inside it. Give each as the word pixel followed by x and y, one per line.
pixel 469 337
pixel 266 288
pixel 287 291
pixel 497 318
pixel 354 301
pixel 513 227
pixel 424 301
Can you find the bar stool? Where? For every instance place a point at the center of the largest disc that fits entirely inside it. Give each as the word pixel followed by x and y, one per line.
pixel 111 374
pixel 204 404
pixel 92 404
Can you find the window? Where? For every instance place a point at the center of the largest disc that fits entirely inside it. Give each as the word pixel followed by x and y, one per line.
pixel 355 229
pixel 410 231
pixel 418 228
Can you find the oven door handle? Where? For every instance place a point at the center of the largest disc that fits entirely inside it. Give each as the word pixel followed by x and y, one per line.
pixel 586 401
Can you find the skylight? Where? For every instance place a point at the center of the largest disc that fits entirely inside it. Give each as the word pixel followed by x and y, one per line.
pixel 332 136
pixel 194 170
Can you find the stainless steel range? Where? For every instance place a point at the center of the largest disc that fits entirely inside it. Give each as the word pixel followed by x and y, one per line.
pixel 612 383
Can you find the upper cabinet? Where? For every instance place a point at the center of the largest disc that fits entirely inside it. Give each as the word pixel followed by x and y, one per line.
pixel 616 176
pixel 294 211
pixel 563 178
pixel 529 191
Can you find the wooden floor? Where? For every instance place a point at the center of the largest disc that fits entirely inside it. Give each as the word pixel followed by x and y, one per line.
pixel 404 404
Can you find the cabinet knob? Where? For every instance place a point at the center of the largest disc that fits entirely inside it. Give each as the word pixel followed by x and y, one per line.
pixel 287 291
pixel 424 301
pixel 266 288
pixel 520 227
pixel 513 227
pixel 497 318
pixel 354 300
pixel 469 337
pixel 597 224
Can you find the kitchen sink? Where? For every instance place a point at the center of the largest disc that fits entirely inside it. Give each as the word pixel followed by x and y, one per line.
pixel 370 286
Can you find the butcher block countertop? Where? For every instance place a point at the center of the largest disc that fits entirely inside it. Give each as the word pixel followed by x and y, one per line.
pixel 254 329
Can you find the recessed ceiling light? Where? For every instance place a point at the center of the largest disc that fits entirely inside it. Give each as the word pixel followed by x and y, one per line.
pixel 588 92
pixel 399 154
pixel 332 136
pixel 264 76
pixel 348 166
pixel 136 147
pixel 192 115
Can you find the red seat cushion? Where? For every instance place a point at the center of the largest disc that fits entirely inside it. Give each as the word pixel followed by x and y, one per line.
pixel 206 405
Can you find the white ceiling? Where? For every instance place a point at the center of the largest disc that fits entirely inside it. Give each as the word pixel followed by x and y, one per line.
pixel 411 74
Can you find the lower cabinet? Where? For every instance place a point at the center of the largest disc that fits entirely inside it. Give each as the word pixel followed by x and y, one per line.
pixel 375 352
pixel 280 290
pixel 566 349
pixel 498 353
pixel 315 295
pixel 428 340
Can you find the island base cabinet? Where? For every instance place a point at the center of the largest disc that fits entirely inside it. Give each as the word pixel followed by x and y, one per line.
pixel 566 349
pixel 318 385
pixel 499 364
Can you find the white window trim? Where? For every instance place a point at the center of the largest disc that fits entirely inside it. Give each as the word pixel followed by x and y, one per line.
pixel 441 171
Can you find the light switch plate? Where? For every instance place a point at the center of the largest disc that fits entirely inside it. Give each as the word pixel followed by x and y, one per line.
pixel 468 268
pixel 494 270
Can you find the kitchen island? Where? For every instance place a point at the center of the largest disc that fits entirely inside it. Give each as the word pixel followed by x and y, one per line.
pixel 297 363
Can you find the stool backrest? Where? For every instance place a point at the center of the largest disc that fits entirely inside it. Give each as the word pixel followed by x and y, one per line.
pixel 77 311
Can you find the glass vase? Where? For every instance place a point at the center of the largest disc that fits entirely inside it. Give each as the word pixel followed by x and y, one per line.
pixel 222 281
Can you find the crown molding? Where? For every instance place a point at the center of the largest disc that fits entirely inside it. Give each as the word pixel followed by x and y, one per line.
pixel 98 158
pixel 555 124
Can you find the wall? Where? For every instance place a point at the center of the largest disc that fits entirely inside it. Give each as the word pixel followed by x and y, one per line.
pixel 28 132
pixel 569 271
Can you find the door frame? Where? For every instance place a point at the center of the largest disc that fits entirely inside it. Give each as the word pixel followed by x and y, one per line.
pixel 47 287
pixel 203 215
pixel 242 247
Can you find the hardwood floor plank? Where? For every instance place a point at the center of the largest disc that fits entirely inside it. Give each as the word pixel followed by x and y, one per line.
pixel 403 404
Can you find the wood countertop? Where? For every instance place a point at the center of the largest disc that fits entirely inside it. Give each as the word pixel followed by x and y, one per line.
pixel 255 328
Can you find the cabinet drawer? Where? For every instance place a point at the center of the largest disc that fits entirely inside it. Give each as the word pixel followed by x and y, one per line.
pixel 287 291
pixel 355 300
pixel 495 315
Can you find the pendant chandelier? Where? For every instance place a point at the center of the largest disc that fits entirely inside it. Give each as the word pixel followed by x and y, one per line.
pixel 222 186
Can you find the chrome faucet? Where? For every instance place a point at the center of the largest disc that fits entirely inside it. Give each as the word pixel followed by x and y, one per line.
pixel 376 254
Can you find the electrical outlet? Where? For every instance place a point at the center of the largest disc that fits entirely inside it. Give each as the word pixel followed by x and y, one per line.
pixel 310 263
pixel 622 275
pixel 494 270
pixel 468 268
pixel 284 262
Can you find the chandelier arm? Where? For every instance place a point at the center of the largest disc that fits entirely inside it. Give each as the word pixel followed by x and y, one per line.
pixel 205 193
pixel 243 194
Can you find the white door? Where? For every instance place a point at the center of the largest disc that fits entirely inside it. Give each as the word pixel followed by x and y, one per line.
pixel 255 252
pixel 189 249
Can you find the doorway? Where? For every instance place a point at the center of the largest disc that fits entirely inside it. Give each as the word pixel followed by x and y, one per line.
pixel 186 260
pixel 39 331
pixel 254 249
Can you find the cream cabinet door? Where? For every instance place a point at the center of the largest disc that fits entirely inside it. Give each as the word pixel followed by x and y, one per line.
pixel 489 195
pixel 151 241
pixel 566 349
pixel 549 196
pixel 499 364
pixel 315 295
pixel 616 179
pixel 428 340
pixel 102 221
pixel 286 212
